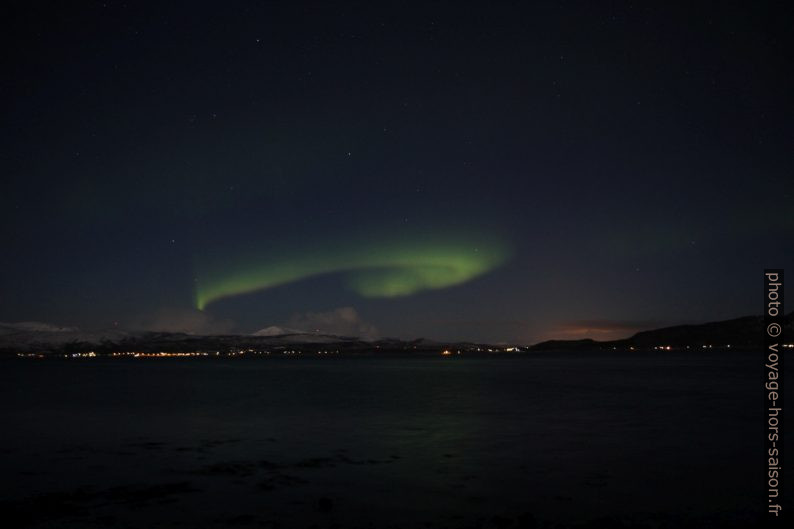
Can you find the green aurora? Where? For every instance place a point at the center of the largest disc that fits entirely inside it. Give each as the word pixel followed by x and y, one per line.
pixel 374 270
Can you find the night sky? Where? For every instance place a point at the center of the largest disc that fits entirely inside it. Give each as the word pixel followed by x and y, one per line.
pixel 506 172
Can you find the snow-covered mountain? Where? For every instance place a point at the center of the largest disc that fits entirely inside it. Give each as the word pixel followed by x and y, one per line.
pixel 275 330
pixel 43 338
pixel 32 326
pixel 30 336
pixel 288 335
pixel 27 337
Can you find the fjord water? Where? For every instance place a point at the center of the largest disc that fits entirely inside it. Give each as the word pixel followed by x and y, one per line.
pixel 383 441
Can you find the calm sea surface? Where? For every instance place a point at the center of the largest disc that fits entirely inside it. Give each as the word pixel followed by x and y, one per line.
pixel 398 441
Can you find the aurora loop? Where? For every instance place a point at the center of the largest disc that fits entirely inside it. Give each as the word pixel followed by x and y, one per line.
pixel 375 270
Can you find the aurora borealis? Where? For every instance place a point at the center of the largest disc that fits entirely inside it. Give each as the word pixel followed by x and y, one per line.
pixel 376 270
pixel 458 172
pixel 418 265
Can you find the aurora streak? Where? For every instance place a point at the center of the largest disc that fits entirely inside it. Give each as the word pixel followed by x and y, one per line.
pixel 375 270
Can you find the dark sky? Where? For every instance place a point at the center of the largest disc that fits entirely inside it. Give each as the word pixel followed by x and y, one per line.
pixel 489 172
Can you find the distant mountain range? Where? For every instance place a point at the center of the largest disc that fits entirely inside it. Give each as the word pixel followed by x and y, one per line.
pixel 33 337
pixel 743 332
